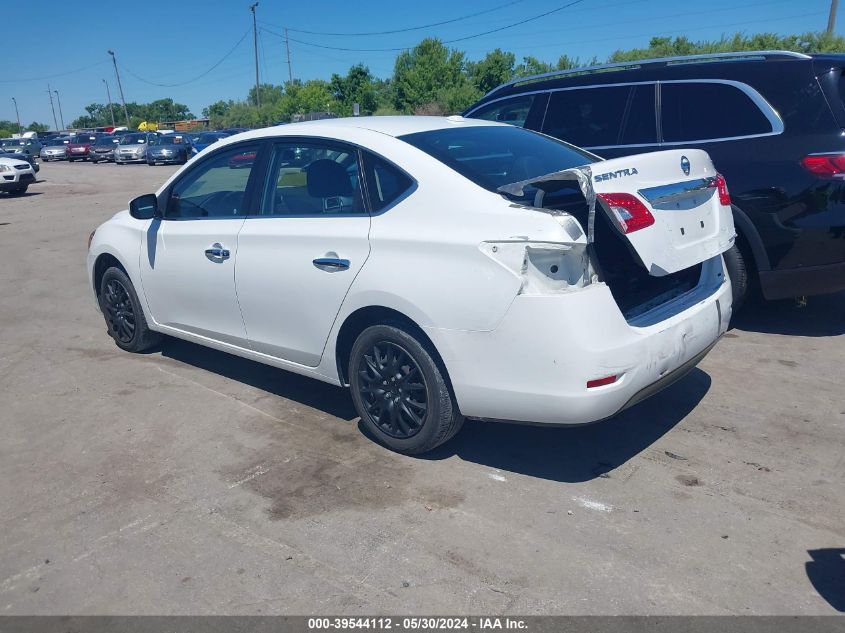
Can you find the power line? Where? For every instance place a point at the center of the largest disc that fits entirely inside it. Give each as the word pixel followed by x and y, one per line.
pixel 64 74
pixel 404 30
pixel 200 76
pixel 458 39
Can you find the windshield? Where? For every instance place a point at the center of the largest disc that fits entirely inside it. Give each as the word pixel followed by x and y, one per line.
pixel 496 155
pixel 106 140
pixel 17 142
pixel 169 140
pixel 130 139
pixel 84 140
pixel 208 139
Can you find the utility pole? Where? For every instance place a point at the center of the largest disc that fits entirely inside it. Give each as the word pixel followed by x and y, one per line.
pixel 120 87
pixel 111 109
pixel 50 94
pixel 287 48
pixel 255 42
pixel 831 18
pixel 61 116
pixel 18 116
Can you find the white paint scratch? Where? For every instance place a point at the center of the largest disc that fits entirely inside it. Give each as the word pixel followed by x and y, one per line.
pixel 589 504
pixel 496 477
pixel 257 471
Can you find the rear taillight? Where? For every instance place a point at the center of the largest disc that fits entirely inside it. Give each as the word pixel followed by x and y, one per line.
pixel 827 165
pixel 627 211
pixel 721 186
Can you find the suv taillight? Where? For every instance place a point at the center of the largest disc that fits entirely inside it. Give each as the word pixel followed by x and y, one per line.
pixel 721 185
pixel 627 211
pixel 824 164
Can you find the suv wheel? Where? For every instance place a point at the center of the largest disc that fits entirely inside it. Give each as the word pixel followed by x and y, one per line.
pixel 738 271
pixel 400 392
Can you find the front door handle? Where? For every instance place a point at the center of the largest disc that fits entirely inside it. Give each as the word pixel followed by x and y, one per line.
pixel 331 263
pixel 216 252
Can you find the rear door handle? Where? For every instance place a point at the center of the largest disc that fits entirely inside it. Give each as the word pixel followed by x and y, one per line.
pixel 332 263
pixel 217 252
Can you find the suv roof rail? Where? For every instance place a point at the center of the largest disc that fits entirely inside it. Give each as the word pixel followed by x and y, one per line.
pixel 659 61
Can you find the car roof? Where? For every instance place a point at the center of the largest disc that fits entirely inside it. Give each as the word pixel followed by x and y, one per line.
pixel 388 125
pixel 651 69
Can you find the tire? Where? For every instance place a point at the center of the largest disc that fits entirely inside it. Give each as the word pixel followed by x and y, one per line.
pixel 426 415
pixel 19 191
pixel 123 314
pixel 737 268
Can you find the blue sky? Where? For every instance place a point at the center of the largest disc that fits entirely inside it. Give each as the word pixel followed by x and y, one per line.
pixel 173 42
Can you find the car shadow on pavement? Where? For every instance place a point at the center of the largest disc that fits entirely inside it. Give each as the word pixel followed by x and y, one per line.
pixel 827 573
pixel 823 315
pixel 577 453
pixel 306 391
pixel 563 453
pixel 27 194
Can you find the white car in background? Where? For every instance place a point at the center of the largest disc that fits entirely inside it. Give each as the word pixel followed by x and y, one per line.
pixel 441 267
pixel 15 175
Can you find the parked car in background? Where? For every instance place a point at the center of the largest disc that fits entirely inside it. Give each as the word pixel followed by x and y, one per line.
pixel 23 145
pixel 440 267
pixel 80 147
pixel 205 139
pixel 133 147
pixel 102 151
pixel 169 149
pixel 13 154
pixel 772 122
pixel 54 149
pixel 15 175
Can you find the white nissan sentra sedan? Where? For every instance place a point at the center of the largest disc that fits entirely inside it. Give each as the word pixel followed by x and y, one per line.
pixel 442 268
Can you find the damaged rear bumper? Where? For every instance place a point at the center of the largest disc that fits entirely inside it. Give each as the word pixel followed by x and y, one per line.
pixel 534 367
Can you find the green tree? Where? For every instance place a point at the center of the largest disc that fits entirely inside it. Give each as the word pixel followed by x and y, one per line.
pixel 421 73
pixel 37 127
pixel 532 66
pixel 496 68
pixel 358 87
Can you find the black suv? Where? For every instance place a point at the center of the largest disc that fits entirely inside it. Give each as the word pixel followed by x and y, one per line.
pixel 772 121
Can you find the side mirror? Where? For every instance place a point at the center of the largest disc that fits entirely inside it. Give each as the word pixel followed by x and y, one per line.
pixel 144 207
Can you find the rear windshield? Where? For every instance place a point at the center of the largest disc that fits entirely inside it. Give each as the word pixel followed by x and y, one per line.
pixel 105 140
pixel 496 155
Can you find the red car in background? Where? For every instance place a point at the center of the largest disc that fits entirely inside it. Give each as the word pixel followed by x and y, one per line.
pixel 80 147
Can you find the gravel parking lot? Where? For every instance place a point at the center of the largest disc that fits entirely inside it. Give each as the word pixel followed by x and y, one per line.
pixel 186 481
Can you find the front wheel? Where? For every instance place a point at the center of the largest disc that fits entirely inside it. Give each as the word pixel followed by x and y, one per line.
pixel 400 392
pixel 19 191
pixel 124 316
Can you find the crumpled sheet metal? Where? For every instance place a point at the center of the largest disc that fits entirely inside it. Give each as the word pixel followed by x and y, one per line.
pixel 582 175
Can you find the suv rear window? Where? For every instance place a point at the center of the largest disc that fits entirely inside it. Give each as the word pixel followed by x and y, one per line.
pixel 496 155
pixel 694 111
pixel 603 116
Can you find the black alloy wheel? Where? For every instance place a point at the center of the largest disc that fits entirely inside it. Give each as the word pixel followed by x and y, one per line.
pixel 393 390
pixel 119 311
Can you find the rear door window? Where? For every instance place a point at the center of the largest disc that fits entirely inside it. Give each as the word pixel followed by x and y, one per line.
pixel 594 117
pixel 696 111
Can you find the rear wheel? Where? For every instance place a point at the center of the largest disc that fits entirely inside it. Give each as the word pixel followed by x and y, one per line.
pixel 400 392
pixel 738 271
pixel 124 316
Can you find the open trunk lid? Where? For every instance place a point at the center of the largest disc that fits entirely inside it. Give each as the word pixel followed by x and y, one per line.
pixel 679 190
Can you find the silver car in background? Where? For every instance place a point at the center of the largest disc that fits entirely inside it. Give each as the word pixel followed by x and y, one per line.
pixel 54 149
pixel 133 147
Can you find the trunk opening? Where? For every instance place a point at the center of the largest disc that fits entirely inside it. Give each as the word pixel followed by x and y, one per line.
pixel 614 259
